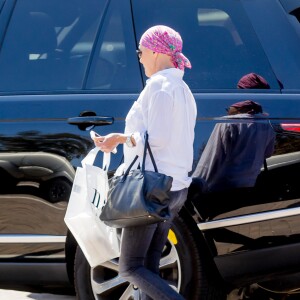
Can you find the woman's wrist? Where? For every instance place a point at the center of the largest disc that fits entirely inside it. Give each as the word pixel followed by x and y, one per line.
pixel 121 138
pixel 127 139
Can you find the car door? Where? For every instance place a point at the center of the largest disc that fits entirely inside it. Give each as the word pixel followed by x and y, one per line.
pixel 65 67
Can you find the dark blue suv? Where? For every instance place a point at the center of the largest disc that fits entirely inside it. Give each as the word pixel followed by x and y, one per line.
pixel 67 66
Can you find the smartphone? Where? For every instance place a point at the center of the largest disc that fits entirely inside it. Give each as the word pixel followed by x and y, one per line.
pixel 94 134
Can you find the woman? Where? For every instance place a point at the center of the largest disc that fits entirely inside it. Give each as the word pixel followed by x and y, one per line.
pixel 166 109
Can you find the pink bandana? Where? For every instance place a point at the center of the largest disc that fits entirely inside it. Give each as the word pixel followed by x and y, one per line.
pixel 163 39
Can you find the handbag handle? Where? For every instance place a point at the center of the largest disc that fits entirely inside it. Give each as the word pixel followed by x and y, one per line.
pixel 147 146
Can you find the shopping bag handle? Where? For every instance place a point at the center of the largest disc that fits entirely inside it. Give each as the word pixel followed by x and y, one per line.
pixel 91 156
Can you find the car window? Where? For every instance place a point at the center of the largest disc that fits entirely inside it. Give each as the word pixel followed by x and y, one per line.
pixel 48 44
pixel 217 38
pixel 293 10
pixel 115 66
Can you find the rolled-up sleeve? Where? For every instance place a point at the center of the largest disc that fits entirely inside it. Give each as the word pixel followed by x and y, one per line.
pixel 139 138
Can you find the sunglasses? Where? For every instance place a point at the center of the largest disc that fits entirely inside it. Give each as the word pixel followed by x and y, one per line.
pixel 139 53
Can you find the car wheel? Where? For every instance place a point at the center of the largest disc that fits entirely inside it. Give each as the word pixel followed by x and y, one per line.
pixel 180 266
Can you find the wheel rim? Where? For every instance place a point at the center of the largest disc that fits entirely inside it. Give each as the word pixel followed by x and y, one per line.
pixel 107 284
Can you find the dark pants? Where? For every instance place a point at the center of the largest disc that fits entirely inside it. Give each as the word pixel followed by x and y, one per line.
pixel 141 250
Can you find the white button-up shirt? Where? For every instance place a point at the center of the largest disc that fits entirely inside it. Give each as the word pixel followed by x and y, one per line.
pixel 166 108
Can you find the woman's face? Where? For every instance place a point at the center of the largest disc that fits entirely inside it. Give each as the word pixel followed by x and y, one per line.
pixel 148 60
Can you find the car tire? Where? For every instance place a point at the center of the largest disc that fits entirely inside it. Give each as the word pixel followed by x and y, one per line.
pixel 82 277
pixel 202 280
pixel 196 278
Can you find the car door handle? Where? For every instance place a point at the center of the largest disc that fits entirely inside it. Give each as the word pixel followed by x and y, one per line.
pixel 91 120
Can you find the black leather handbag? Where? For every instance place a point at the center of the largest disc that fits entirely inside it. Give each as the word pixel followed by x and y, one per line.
pixel 138 197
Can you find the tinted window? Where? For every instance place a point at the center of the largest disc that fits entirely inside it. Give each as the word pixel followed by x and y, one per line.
pixel 48 44
pixel 294 18
pixel 218 40
pixel 115 65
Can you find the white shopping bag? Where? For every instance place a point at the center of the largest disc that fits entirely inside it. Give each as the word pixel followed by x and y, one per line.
pixel 97 241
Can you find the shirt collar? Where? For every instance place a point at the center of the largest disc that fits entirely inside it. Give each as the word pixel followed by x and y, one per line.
pixel 169 72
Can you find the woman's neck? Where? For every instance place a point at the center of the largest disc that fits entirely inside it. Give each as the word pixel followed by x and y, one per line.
pixel 163 62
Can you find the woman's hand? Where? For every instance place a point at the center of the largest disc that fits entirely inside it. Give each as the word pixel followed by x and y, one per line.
pixel 108 143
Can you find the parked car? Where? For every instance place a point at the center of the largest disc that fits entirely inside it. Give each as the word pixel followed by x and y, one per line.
pixel 67 66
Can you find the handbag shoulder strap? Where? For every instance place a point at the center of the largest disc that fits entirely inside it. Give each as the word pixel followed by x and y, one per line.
pixel 147 147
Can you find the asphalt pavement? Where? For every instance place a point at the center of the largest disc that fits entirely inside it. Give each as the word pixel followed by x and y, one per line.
pixel 36 293
pixel 21 295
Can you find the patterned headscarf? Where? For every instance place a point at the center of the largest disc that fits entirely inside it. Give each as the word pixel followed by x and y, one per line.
pixel 163 39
